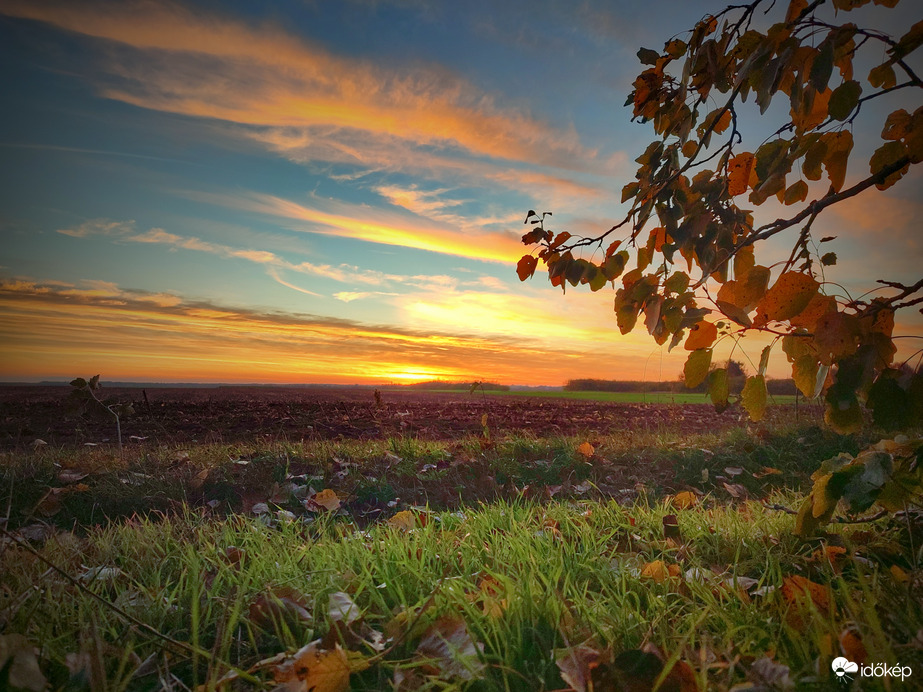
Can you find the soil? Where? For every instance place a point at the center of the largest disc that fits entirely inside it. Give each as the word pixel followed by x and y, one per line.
pixel 240 414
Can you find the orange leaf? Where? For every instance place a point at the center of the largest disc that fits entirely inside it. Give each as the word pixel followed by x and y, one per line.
pixel 318 670
pixel 656 570
pixel 852 646
pixel 739 169
pixel 701 335
pixel 788 297
pixel 526 267
pixel 800 590
pixel 836 336
pixel 819 306
pixel 586 449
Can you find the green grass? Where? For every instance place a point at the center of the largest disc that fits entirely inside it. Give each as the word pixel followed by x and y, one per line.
pixel 622 397
pixel 561 574
pixel 527 574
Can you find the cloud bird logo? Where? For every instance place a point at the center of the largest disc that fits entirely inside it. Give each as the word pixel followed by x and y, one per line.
pixel 842 667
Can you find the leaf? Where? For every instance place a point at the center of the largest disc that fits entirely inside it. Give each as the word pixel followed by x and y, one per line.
pixel 341 608
pixel 828 259
pixel 836 335
pixel 404 520
pixel 804 373
pixel 280 605
pixel 739 169
pixel 797 192
pixel 19 664
pixel 718 389
pixel 883 77
pixel 526 267
pixel 696 368
pixel 576 664
pixel 836 156
pixel 313 669
pixel 753 397
pixel 790 294
pixel 822 66
pixel 586 449
pixel 844 99
pixel 764 360
pixel 889 154
pixel 684 500
pixel 79 383
pixel 798 590
pixel 327 499
pixel 648 56
pixel 701 335
pixel 449 652
pixel 819 306
pixel 641 670
pixel 852 646
pixel 656 570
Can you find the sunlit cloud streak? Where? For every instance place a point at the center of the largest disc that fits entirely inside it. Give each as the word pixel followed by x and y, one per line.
pixel 213 66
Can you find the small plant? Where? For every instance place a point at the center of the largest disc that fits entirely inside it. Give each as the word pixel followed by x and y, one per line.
pixel 84 392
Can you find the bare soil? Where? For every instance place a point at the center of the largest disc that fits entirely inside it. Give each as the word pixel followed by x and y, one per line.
pixel 238 414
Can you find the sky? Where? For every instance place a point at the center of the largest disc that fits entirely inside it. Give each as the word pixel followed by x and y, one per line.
pixel 334 192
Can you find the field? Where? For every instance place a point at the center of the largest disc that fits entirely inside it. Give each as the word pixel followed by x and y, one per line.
pixel 626 397
pixel 320 539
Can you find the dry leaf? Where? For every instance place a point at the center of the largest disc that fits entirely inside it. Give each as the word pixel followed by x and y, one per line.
pixel 586 449
pixel 312 669
pixel 656 570
pixel 342 609
pixel 449 651
pixel 576 664
pixel 852 646
pixel 684 500
pixel 17 657
pixel 404 520
pixel 327 499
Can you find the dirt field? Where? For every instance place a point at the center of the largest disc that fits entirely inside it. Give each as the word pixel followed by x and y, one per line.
pixel 234 414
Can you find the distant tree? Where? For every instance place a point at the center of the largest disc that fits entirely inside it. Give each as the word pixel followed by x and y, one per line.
pixel 686 196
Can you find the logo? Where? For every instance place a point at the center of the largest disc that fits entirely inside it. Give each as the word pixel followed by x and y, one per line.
pixel 842 668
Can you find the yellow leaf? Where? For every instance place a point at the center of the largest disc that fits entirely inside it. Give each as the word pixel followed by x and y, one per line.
pixel 586 449
pixel 656 570
pixel 312 669
pixel 836 156
pixel 685 500
pixel 696 368
pixel 405 521
pixel 814 110
pixel 327 499
pixel 753 397
pixel 818 306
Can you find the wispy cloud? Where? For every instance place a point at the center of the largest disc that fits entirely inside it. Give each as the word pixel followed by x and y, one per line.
pixel 214 66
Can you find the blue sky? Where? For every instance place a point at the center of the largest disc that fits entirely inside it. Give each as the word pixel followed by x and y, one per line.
pixel 334 191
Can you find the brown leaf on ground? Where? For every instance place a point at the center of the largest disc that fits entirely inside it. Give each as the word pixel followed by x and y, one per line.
pixel 18 658
pixel 326 499
pixel 282 604
pixel 640 670
pixel 684 500
pixel 577 664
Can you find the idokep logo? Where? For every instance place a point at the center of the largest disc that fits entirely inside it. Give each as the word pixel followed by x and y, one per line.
pixel 845 669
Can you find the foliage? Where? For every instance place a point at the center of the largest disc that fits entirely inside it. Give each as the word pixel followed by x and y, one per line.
pixel 889 474
pixel 687 196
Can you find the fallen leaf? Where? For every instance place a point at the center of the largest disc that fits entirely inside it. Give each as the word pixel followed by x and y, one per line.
pixel 327 499
pixel 282 604
pixel 586 449
pixel 656 570
pixel 576 664
pixel 449 652
pixel 735 490
pixel 313 669
pixel 900 575
pixel 685 500
pixel 639 671
pixel 19 663
pixel 852 646
pixel 342 609
pixel 68 476
pixel 769 675
pixel 404 521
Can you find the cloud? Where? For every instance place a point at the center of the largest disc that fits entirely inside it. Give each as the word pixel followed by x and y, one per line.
pixel 49 330
pixel 166 57
pixel 345 220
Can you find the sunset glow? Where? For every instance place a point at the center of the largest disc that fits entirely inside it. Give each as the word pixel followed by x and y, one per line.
pixel 334 192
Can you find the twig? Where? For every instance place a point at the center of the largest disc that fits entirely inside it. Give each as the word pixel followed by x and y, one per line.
pixel 183 646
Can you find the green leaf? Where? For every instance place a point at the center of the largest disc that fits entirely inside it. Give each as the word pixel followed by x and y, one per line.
pixel 696 368
pixel 822 67
pixel 764 360
pixel 844 99
pixel 718 390
pixel 753 397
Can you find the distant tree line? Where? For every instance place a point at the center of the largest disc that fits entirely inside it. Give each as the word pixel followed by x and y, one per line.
pixel 457 386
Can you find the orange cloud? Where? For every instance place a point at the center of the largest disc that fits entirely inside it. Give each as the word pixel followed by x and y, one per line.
pixel 263 76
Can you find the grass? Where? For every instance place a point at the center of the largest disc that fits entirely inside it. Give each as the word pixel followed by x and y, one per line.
pixel 558 575
pixel 536 547
pixel 623 397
